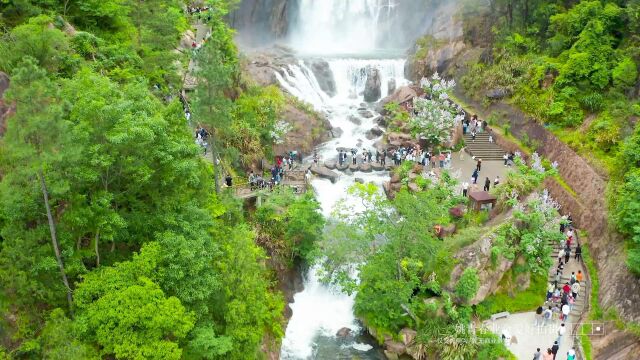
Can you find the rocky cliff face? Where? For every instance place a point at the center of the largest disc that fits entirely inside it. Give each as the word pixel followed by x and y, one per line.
pixel 261 22
pixel 310 128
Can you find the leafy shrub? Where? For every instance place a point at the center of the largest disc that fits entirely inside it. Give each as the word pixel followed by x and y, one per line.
pixel 625 73
pixel 468 284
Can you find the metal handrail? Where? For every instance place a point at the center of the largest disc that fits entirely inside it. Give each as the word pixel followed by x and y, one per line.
pixel 585 309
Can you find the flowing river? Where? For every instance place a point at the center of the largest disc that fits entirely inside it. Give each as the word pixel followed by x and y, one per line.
pixel 351 36
pixel 319 311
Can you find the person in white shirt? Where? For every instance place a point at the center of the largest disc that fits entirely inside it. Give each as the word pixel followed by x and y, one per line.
pixel 565 312
pixel 465 188
pixel 561 330
pixel 575 289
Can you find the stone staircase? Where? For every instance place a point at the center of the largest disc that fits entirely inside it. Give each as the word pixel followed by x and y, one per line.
pixel 572 266
pixel 482 148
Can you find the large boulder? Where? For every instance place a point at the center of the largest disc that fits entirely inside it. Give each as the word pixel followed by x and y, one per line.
pixel 324 75
pixel 373 85
pixel 325 173
pixel 401 95
pixel 478 256
pixel 343 332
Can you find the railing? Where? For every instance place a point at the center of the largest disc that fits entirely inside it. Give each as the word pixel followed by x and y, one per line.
pixel 585 309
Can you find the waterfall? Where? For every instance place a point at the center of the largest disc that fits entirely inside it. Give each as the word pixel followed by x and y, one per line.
pixel 341 26
pixel 319 311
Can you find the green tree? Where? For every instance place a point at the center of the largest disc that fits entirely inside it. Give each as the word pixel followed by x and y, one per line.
pixel 124 313
pixel 216 72
pixel 37 39
pixel 35 137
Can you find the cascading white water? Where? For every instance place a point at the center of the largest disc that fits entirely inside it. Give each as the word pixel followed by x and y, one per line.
pixel 319 311
pixel 341 26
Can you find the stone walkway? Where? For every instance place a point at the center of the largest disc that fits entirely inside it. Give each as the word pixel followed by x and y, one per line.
pixel 465 167
pixel 528 337
pixel 522 325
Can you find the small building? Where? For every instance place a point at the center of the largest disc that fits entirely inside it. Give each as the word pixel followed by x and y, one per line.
pixel 482 200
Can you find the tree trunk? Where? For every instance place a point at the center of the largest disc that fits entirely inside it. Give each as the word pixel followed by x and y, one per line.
pixel 97 247
pixel 54 239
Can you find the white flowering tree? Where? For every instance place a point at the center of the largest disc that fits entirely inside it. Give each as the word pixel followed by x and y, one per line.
pixel 279 131
pixel 435 118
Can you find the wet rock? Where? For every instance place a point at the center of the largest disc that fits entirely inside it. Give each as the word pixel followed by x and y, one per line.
pixel 391 86
pixel 377 167
pixel 413 187
pixel 365 168
pixel 344 332
pixel 373 85
pixel 395 178
pixel 325 173
pixel 380 120
pixel 342 167
pixel 390 355
pixel 330 164
pixel 408 335
pixel 369 135
pixel 395 347
pixel 376 131
pixel 359 180
pixel 366 114
pixel 324 75
pixel 497 94
pixel 353 167
pixel 336 132
pixel 348 171
pixel 355 120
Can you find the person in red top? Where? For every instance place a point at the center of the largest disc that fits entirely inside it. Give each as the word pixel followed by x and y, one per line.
pixel 566 288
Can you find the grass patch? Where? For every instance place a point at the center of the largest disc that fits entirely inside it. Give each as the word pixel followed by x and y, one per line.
pixel 595 311
pixel 527 300
pixel 585 341
pixel 463 238
pixel 565 186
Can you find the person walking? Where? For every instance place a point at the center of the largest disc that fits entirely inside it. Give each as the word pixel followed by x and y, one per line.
pixel 487 184
pixel 565 312
pixel 550 289
pixel 539 317
pixel 561 331
pixel 537 355
pixel 441 159
pixel 575 289
pixel 547 315
pixel 505 157
pixel 479 165
pixel 465 188
pixel 567 254
pixel 571 354
pixel 554 349
pixel 579 276
pixel 496 182
pixel 548 355
pixel 578 252
pixel 474 176
pixel 560 255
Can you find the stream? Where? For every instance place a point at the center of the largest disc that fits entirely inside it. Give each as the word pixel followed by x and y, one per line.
pixel 319 311
pixel 351 36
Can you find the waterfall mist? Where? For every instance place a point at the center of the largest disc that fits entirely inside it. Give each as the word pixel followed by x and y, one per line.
pixel 339 27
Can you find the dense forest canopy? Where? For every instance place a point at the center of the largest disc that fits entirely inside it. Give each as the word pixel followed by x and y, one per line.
pixel 113 239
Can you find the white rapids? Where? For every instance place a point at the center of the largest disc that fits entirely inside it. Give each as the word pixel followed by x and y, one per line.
pixel 319 311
